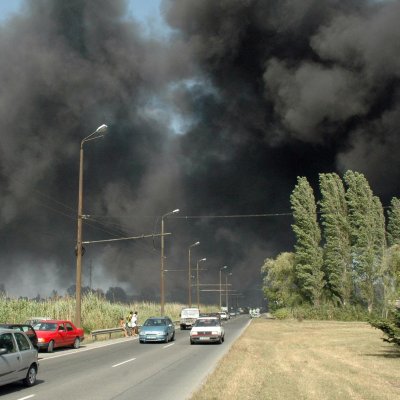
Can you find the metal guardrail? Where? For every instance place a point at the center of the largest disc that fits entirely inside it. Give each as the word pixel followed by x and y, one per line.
pixel 108 331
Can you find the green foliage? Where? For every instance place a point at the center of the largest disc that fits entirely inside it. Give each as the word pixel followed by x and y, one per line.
pixel 393 227
pixel 390 327
pixel 337 250
pixel 279 281
pixel 323 312
pixel 308 253
pixel 97 312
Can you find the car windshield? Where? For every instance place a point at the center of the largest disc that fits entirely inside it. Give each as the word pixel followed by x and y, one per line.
pixel 155 322
pixel 45 326
pixel 207 322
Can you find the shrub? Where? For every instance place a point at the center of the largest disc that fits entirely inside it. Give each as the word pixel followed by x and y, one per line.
pixel 390 327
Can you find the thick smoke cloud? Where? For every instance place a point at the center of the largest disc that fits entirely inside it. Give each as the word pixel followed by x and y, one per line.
pixel 217 118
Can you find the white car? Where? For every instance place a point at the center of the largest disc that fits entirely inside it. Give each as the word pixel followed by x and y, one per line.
pixel 18 358
pixel 206 330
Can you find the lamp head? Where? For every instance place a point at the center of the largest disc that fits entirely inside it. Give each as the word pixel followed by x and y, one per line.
pixel 102 129
pixel 175 211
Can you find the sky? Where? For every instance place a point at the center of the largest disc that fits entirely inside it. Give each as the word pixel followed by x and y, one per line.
pixel 214 108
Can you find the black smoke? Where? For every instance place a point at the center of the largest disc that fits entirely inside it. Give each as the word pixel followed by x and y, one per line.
pixel 217 118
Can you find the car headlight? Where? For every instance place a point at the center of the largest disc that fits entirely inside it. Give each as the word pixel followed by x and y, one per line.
pixel 40 340
pixel 215 333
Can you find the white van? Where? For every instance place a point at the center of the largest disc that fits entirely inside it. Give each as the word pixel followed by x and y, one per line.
pixel 188 317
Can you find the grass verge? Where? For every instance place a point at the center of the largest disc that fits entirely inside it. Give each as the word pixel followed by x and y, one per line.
pixel 285 360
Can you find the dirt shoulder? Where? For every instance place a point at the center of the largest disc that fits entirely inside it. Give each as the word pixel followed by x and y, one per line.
pixel 306 360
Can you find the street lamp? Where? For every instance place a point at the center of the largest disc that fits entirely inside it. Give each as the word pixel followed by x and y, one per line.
pixel 98 133
pixel 220 286
pixel 226 290
pixel 197 282
pixel 162 257
pixel 189 276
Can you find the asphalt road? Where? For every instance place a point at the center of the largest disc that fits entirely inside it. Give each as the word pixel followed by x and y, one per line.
pixel 124 369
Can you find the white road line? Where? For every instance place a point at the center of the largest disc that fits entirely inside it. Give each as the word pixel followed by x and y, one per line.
pixel 27 397
pixel 168 345
pixel 123 362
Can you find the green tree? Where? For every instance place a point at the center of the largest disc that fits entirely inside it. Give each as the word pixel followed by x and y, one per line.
pixel 280 281
pixel 367 231
pixel 336 232
pixel 393 227
pixel 308 253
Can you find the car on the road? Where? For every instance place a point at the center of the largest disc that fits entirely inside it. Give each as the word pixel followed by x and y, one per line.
pixel 18 358
pixel 157 329
pixel 58 333
pixel 206 330
pixel 28 329
pixel 223 315
pixel 188 317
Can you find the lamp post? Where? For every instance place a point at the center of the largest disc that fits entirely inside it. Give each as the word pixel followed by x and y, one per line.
pixel 226 291
pixel 162 258
pixel 98 133
pixel 189 276
pixel 197 281
pixel 220 285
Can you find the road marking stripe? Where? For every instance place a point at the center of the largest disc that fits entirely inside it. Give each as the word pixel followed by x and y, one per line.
pixel 27 397
pixel 168 345
pixel 123 362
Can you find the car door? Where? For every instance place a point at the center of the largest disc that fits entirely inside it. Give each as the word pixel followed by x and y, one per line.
pixel 62 336
pixel 26 353
pixel 10 360
pixel 69 334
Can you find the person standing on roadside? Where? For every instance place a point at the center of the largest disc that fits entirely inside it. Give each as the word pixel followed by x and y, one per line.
pixel 129 323
pixel 134 324
pixel 122 324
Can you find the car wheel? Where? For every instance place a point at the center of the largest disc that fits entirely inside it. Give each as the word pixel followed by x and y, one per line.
pixel 77 343
pixel 50 347
pixel 141 341
pixel 173 337
pixel 182 327
pixel 30 378
pixel 191 342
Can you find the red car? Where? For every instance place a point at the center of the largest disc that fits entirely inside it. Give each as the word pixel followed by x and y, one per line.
pixel 58 333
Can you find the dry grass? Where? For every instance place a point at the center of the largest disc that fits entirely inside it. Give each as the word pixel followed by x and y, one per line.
pixel 285 360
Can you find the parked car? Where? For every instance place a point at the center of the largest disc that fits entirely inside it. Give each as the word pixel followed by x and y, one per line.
pixel 157 329
pixel 58 333
pixel 188 317
pixel 207 329
pixel 18 358
pixel 28 329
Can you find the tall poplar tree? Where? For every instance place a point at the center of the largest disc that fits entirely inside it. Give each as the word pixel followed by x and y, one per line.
pixel 366 230
pixel 308 253
pixel 336 233
pixel 393 227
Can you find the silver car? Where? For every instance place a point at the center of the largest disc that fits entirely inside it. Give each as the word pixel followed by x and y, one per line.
pixel 18 358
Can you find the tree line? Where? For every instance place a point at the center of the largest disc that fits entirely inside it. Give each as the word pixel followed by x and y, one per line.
pixel 347 249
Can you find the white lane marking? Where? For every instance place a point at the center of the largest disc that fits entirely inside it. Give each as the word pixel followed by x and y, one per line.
pixel 123 362
pixel 80 350
pixel 27 397
pixel 168 345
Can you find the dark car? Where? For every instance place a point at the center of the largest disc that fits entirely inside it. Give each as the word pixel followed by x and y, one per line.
pixel 28 329
pixel 157 329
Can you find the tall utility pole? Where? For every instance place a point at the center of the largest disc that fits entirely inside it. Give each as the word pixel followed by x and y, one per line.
pixel 190 276
pixel 197 282
pixel 98 133
pixel 226 290
pixel 220 285
pixel 162 259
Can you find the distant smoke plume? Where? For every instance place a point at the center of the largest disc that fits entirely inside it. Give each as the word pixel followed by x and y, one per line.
pixel 219 118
